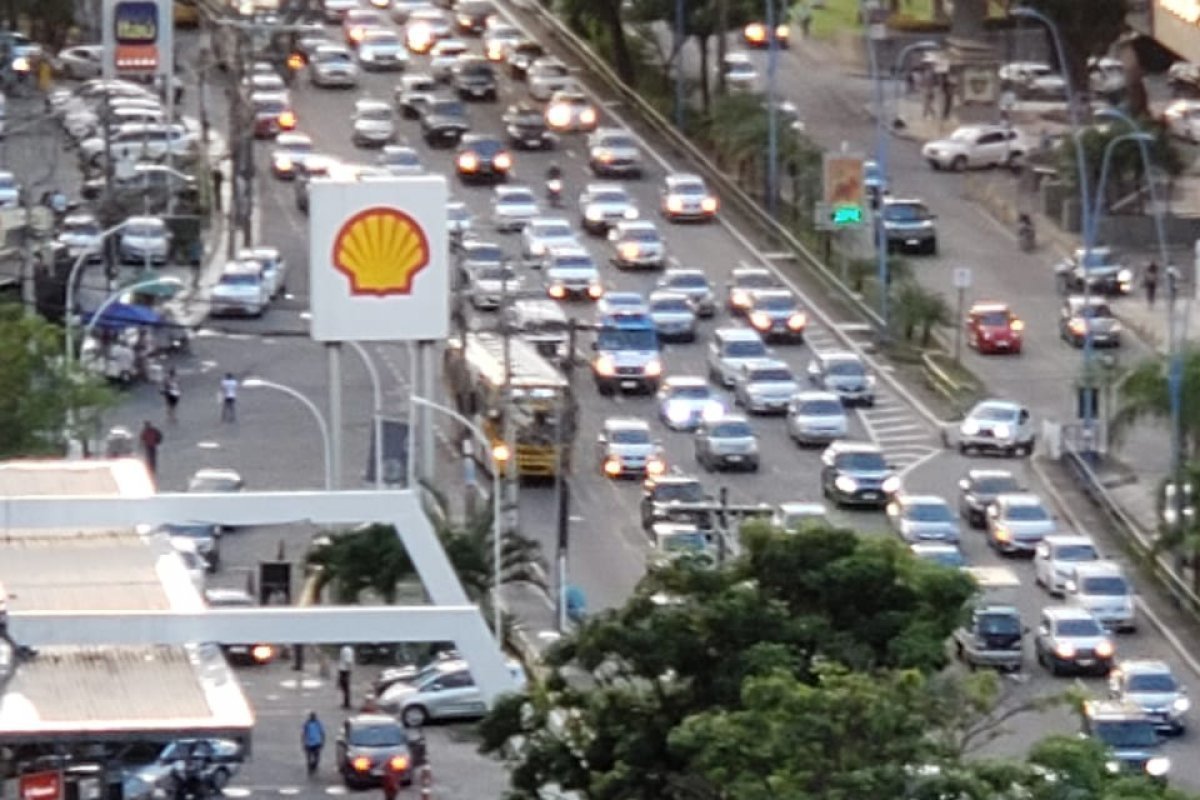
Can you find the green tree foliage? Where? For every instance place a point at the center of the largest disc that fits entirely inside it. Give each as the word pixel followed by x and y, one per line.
pixel 1126 170
pixel 602 21
pixel 918 311
pixel 1145 394
pixel 49 21
pixel 38 388
pixel 1086 29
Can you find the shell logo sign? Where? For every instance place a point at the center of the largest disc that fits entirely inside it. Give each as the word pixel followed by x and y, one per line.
pixel 378 259
pixel 381 250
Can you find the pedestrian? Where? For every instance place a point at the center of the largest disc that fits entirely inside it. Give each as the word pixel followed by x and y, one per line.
pixel 229 388
pixel 947 96
pixel 312 736
pixel 345 666
pixel 171 394
pixel 1150 282
pixel 930 96
pixel 391 783
pixel 151 438
pixel 805 20
pixel 218 177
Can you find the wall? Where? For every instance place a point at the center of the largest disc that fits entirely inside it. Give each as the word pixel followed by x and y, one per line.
pixel 1177 26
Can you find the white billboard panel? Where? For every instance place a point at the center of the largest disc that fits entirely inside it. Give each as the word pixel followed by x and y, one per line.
pixel 379 259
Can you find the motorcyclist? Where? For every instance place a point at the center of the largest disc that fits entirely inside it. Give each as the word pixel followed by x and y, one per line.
pixel 554 173
pixel 1025 231
pixel 554 184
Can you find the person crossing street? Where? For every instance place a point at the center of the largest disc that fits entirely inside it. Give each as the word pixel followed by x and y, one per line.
pixel 312 736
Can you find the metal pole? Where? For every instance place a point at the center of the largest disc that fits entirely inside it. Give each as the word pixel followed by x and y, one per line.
pixel 678 58
pixel 428 389
pixel 562 488
pixel 376 410
pixel 962 296
pixel 169 159
pixel 881 158
pixel 410 473
pixel 322 425
pixel 772 113
pixel 564 535
pixel 333 351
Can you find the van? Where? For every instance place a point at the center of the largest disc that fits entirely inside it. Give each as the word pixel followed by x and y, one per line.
pixel 1102 588
pixel 543 323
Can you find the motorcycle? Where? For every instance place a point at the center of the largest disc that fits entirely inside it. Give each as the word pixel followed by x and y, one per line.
pixel 554 189
pixel 1026 234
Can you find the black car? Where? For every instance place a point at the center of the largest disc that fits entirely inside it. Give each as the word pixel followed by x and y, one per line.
pixel 482 159
pixel 371 745
pixel 526 128
pixel 241 654
pixel 979 488
pixel 1097 270
pixel 470 16
pixel 443 122
pixel 857 474
pixel 474 78
pixel 675 498
pixel 521 55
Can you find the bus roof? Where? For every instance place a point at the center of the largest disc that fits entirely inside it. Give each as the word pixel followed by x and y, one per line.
pixel 485 353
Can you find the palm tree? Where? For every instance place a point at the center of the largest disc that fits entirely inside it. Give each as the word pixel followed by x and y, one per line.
pixel 1145 393
pixel 918 309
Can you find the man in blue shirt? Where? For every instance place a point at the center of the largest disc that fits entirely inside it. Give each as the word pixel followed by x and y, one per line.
pixel 313 739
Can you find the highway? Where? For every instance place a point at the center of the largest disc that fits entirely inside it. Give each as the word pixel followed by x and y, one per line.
pixel 608 547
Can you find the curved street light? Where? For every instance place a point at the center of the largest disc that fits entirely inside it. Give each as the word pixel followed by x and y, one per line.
pixel 260 383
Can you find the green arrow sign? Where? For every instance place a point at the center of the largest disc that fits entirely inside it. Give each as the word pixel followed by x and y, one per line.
pixel 847 215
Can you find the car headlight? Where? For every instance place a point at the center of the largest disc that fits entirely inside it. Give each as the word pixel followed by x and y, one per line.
pixel 367 55
pixel 593 215
pixel 891 484
pixel 674 204
pixel 1181 705
pixel 538 249
pixel 845 483
pixel 468 162
pixel 1113 767
pixel 612 466
pixel 595 291
pixel 970 427
pixel 713 411
pixel 503 161
pixel 1105 649
pixel 587 116
pixel 1064 650
pixel 678 413
pixel 283 164
pixel 1002 430
pixel 653 368
pixel 558 116
pixel 709 205
pixel 1125 276
pixel 557 291
pixel 797 322
pixel 605 366
pixel 655 466
pixel 630 251
pixel 1116 327
pixel 760 320
pixel 1158 766
pixel 630 213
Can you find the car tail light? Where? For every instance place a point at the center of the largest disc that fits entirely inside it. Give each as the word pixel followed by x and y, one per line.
pixel 361 764
pixel 356 34
pixel 287 120
pixel 295 61
pixel 612 466
pixel 756 32
pixel 262 653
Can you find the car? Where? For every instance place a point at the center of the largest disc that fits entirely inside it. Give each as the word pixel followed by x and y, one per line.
pixel 1153 688
pixel 628 355
pixel 525 126
pixel 816 418
pixel 744 281
pixel 400 160
pixel 414 92
pixel 1182 118
pixel 922 518
pixel 613 152
pixel 997 426
pixel 425 27
pixel 626 448
pixel 498 39
pixel 240 291
pixel 204 536
pixel 470 15
pixel 273 266
pixel 1056 556
pixel 1072 640
pixel 544 324
pixel 765 386
pixel 459 222
pixel 513 207
pixel 1096 270
pixel 489 285
pixel 335 10
pixel 685 197
pixel 992 327
pixel 368 746
pixel 570 273
pixel 729 350
pixel 444 122
pixel 945 555
pixel 542 234
pixel 1183 77
pixel 845 374
pixel 547 75
pixel 684 401
pixel 1018 522
pixel 979 488
pixel 219 760
pixel 307 44
pixel 1102 588
pixel 520 54
pixel 1130 737
pixel 739 71
pixel 726 443
pixel 402 9
pixel 693 284
pixel 1084 321
pixel 372 124
pixel 602 205
pixel 312 165
pixel 637 243
pixel 683 542
pixel 144 240
pixel 1033 80
pixel 616 303
pixel 673 315
pixel 381 50
pixel 81 62
pixel 908 225
pixel 272 114
pixel 973 146
pixel 570 111
pixel 875 182
pixel 241 654
pixel 289 147
pixel 758 35
pixel 674 497
pixel 794 515
pixel 482 159
pixel 80 233
pixel 474 78
pixel 776 315
pixel 477 253
pixel 357 21
pixel 333 65
pixel 445 693
pixel 857 474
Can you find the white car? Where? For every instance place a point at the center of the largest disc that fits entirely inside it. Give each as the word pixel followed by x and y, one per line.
pixel 489 284
pixel 686 197
pixel 80 232
pixel 381 49
pixel 273 265
pixel 739 71
pixel 444 56
pixel 973 146
pixel 289 150
pixel 922 518
pixel 1102 588
pixel 685 401
pixel 542 234
pixel 729 350
pixel 1034 79
pixel 1183 119
pixel 765 386
pixel 546 76
pixel 425 27
pixel 1017 523
pixel 332 65
pixel 614 152
pixel 10 190
pixel 625 447
pixel 373 123
pixel 997 426
pixel 673 315
pixel 414 92
pixel 401 160
pixel 1057 555
pixel 81 62
pixel 570 272
pixel 144 240
pixel 241 291
pixel 444 691
pixel 816 418
pixel 570 110
pixel 603 205
pixel 513 207
pixel 637 243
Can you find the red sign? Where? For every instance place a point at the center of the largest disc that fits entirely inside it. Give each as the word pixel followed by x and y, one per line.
pixel 41 786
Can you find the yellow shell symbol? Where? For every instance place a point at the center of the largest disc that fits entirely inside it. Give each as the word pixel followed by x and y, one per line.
pixel 380 250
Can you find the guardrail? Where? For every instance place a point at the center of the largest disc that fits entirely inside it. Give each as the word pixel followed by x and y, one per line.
pixel 1129 530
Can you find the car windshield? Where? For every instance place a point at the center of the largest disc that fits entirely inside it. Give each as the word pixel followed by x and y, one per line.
pixel 930 512
pixel 78 227
pixel 776 303
pixel 821 408
pixel 386 38
pixel 1076 552
pixel 333 57
pixel 552 71
pixel 732 429
pixel 476 69
pixel 678 304
pixel 556 230
pixel 964 135
pixel 845 368
pixel 692 542
pixel 574 262
pixel 690 393
pixel 447 108
pixel 1026 513
pixel 905 212
pixel 376 114
pixel 527 116
pixel 739 67
pixel 1105 585
pixel 688 281
pixel 376 736
pixel 1152 682
pixel 688 188
pixel 485 253
pixel 641 235
pixel 240 279
pixel 1126 733
pixel 618 141
pixel 496 274
pixel 517 198
pixel 295 148
pixel 627 339
pixel 947 558
pixel 994 412
pixel 1095 310
pixel 996 484
pixel 994 319
pixel 772 375
pixel 1079 627
pixel 999 624
pixel 745 349
pixel 682 492
pixel 754 280
pixel 630 436
pixel 615 198
pixel 143 229
pixel 862 462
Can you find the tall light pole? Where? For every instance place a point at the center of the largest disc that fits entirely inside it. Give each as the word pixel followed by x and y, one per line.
pixel 111 300
pixel 498 457
pixel 678 58
pixel 376 410
pixel 322 425
pixel 881 158
pixel 772 112
pixel 72 279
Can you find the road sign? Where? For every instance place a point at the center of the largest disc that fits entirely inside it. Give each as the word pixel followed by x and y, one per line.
pixel 962 277
pixel 844 192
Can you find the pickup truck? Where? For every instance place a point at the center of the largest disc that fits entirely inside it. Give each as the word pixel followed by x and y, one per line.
pixel 992 637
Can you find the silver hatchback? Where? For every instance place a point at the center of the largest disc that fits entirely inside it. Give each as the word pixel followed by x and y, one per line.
pixel 727 443
pixel 765 386
pixel 816 418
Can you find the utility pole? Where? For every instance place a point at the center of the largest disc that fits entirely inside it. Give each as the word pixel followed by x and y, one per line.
pixel 562 487
pixel 722 44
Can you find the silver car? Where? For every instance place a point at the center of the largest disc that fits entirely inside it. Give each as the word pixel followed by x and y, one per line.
pixel 542 234
pixel 602 205
pixel 332 65
pixel 694 284
pixel 795 514
pixel 637 243
pixel 546 76
pixel 1017 523
pixel 923 518
pixel 1056 557
pixel 685 401
pixel 625 447
pixel 401 160
pixel 686 197
pixel 1102 588
pixel 513 207
pixel 447 692
pixel 683 541
pixel 1072 640
pixel 571 273
pixel 444 56
pixel 614 152
pixel 373 123
pixel 729 350
pixel 487 285
pixel 459 220
pixel 1152 687
pixel 816 418
pixel 727 443
pixel 673 315
pixel 765 386
pixel 145 239
pixel 844 374
pixel 414 92
pixel 381 49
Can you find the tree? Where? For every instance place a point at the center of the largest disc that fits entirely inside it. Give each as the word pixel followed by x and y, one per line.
pixel 49 20
pixel 1145 393
pixel 1127 170
pixel 602 22
pixel 39 390
pixel 1086 30
pixel 919 310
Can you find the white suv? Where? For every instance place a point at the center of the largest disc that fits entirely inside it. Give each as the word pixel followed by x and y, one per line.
pixel 977 146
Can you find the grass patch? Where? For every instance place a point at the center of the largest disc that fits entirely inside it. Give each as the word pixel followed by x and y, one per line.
pixel 842 15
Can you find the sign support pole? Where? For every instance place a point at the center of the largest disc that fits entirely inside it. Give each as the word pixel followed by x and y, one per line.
pixel 962 295
pixel 333 350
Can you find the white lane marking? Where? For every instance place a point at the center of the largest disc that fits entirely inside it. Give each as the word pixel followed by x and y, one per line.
pixel 929 456
pixel 208 445
pixel 236 791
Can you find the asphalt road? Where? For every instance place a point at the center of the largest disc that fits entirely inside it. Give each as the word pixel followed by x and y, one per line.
pixel 274 444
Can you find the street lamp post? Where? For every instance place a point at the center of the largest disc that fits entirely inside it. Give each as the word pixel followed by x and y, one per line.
pixel 260 383
pixel 72 279
pixel 881 159
pixel 772 111
pixel 678 58
pixel 376 410
pixel 111 300
pixel 497 457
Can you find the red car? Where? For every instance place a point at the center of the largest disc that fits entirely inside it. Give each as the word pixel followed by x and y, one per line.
pixel 273 114
pixel 994 328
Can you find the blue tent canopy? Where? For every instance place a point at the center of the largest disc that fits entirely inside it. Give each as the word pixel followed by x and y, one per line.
pixel 126 315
